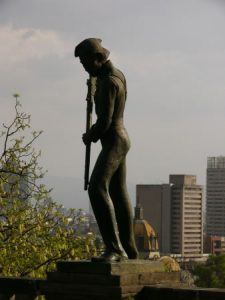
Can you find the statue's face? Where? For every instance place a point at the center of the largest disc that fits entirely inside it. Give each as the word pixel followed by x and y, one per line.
pixel 91 64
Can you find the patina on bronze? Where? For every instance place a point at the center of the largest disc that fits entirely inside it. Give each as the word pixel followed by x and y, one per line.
pixel 107 187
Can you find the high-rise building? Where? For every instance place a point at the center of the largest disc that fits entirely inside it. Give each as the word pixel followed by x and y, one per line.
pixel 215 196
pixel 155 201
pixel 186 216
pixel 175 212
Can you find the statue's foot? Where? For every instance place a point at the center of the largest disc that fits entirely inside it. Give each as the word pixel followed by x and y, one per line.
pixel 131 252
pixel 110 257
pixel 133 256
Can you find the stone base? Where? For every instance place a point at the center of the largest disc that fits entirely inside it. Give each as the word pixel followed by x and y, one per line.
pixel 81 280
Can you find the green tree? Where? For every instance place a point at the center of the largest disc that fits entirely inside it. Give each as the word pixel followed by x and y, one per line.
pixel 35 232
pixel 211 274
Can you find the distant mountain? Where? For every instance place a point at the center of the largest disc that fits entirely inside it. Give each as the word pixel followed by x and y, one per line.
pixel 69 192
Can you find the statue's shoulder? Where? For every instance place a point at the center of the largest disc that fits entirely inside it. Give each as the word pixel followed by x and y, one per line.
pixel 118 77
pixel 112 76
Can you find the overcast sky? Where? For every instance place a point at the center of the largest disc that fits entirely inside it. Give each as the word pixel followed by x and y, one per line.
pixel 172 53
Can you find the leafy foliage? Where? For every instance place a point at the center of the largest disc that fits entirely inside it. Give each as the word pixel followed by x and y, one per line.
pixel 211 274
pixel 35 232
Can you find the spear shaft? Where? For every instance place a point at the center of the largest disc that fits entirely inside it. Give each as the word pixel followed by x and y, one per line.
pixel 89 108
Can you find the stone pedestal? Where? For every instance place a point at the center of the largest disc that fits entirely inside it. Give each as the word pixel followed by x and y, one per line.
pixel 81 280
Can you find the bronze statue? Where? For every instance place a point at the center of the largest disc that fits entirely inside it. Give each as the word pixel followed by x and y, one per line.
pixel 107 187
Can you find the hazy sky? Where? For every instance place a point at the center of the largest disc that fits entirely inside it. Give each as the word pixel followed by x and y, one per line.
pixel 172 53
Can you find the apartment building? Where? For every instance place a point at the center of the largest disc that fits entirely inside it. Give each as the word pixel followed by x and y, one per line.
pixel 186 216
pixel 155 201
pixel 215 196
pixel 175 212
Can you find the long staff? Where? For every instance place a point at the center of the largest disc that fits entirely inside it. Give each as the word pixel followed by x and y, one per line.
pixel 89 99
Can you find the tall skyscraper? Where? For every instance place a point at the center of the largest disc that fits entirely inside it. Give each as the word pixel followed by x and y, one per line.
pixel 186 216
pixel 215 196
pixel 175 212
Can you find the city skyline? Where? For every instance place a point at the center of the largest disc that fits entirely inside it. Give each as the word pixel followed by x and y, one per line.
pixel 174 210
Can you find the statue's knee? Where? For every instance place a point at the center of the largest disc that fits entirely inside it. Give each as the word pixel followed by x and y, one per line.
pixel 91 190
pixel 97 189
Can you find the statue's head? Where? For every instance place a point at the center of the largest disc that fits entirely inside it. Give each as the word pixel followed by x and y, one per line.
pixel 92 55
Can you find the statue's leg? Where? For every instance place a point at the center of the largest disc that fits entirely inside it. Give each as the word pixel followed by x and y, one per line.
pixel 123 210
pixel 106 165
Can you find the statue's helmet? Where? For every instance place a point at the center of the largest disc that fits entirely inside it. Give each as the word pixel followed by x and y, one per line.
pixel 91 46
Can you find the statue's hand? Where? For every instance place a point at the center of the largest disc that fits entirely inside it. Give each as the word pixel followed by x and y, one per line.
pixel 86 138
